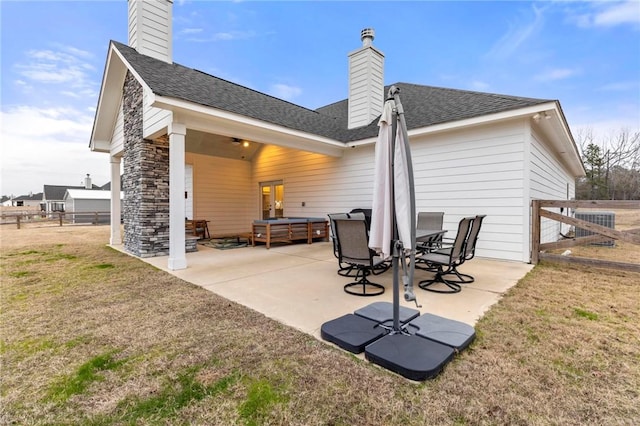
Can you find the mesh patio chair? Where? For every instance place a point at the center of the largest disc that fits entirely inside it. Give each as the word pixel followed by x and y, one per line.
pixel 353 249
pixel 430 221
pixel 345 270
pixel 445 263
pixel 469 251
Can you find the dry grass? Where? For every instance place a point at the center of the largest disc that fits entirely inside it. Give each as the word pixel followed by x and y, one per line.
pixel 92 336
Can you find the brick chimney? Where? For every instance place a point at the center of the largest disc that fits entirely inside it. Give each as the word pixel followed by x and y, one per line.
pixel 366 82
pixel 150 30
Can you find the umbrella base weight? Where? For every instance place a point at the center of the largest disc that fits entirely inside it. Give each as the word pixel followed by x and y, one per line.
pixel 452 333
pixel 351 332
pixel 413 357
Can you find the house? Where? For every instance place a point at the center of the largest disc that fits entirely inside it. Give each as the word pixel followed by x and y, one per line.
pixel 31 200
pixel 95 204
pixel 53 198
pixel 194 145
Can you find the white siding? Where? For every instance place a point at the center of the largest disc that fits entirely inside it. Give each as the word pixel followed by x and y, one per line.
pixel 150 28
pixel 117 138
pixel 472 172
pixel 325 184
pixel 222 193
pixel 549 181
pixel 366 86
pixel 463 173
pixel 153 119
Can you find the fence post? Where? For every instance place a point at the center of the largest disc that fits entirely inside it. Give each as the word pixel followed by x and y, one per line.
pixel 18 221
pixel 60 216
pixel 535 231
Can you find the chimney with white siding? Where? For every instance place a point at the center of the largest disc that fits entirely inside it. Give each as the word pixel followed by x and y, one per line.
pixel 87 182
pixel 150 28
pixel 366 82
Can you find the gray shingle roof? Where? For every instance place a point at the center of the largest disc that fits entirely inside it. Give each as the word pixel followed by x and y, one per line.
pixel 424 105
pixel 30 197
pixel 56 192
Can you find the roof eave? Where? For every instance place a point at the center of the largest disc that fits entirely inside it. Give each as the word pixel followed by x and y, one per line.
pixel 109 99
pixel 214 120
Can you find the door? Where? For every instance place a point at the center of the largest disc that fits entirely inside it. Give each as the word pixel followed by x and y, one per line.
pixel 188 191
pixel 272 199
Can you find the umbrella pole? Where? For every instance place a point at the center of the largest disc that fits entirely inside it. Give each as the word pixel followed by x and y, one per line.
pixel 409 295
pixel 395 243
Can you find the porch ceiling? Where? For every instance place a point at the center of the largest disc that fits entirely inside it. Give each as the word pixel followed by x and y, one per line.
pixel 219 145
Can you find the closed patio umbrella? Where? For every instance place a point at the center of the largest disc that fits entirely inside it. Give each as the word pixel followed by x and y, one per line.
pixel 393 234
pixel 393 214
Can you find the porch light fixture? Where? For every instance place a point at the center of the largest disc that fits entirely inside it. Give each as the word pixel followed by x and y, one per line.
pixel 540 115
pixel 238 142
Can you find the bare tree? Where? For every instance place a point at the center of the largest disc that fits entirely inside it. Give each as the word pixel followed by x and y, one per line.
pixel 612 164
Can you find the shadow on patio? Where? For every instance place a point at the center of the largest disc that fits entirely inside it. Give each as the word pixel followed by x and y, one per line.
pixel 297 284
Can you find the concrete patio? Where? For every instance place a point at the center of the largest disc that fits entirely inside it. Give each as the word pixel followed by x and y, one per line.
pixel 297 284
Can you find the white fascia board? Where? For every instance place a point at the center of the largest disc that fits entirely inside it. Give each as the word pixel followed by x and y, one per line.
pixel 109 99
pixel 209 119
pixel 106 110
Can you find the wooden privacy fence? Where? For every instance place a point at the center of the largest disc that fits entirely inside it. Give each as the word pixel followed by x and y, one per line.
pixel 600 233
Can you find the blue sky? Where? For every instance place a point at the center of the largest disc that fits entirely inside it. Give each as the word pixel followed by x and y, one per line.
pixel 585 54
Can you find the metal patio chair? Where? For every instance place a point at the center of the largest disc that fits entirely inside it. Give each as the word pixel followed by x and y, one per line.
pixel 345 270
pixel 445 263
pixel 353 249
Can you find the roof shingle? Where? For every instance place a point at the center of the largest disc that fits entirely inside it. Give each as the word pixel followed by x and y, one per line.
pixel 423 105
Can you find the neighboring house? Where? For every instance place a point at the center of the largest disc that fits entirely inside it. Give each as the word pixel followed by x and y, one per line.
pixel 96 205
pixel 31 200
pixel 53 197
pixel 180 134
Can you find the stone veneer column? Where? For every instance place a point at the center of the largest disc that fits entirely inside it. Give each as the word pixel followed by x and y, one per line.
pixel 146 181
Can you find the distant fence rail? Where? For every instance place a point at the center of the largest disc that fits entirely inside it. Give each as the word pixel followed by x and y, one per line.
pixel 61 218
pixel 599 233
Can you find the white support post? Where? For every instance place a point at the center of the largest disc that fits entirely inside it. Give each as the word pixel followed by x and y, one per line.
pixel 116 234
pixel 177 250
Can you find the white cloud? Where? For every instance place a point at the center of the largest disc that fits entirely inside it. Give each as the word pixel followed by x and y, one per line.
pixel 480 85
pixel 286 92
pixel 224 36
pixel 620 86
pixel 66 67
pixel 556 74
pixel 190 31
pixel 517 35
pixel 48 146
pixel 605 13
pixel 618 13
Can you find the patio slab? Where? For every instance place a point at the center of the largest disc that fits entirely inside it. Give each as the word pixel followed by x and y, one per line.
pixel 297 284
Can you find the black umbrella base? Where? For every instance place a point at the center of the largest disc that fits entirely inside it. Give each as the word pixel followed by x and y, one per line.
pixel 452 333
pixel 413 357
pixel 382 313
pixel 425 345
pixel 351 332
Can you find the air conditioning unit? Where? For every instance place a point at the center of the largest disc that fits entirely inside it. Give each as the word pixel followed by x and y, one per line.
pixel 607 219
